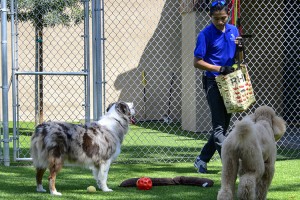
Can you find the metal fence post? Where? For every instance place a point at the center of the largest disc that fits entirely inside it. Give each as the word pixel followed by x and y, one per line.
pixel 97 59
pixel 4 82
pixel 14 69
pixel 87 60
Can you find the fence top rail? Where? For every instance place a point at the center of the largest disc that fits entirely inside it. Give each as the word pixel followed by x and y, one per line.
pixel 52 73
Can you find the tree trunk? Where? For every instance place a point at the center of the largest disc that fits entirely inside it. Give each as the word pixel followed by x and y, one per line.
pixel 39 80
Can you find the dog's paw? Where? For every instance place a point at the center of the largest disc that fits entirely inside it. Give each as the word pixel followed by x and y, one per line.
pixel 107 190
pixel 55 193
pixel 40 188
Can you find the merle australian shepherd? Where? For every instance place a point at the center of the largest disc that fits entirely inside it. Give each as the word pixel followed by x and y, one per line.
pixel 94 145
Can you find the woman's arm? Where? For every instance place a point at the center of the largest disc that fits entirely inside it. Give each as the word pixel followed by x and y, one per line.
pixel 201 64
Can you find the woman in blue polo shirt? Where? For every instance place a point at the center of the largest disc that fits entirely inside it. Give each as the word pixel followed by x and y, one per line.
pixel 215 54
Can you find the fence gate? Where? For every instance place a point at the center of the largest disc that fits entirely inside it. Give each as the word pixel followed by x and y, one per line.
pixel 50 66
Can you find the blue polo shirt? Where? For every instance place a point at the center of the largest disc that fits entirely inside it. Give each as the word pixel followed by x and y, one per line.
pixel 216 47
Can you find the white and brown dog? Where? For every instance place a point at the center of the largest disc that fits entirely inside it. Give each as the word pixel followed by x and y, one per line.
pixel 249 152
pixel 94 145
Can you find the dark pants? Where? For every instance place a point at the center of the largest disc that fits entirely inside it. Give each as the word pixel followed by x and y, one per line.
pixel 220 119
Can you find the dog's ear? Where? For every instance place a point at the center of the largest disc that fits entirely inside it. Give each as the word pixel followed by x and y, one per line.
pixel 279 127
pixel 124 108
pixel 109 106
pixel 264 113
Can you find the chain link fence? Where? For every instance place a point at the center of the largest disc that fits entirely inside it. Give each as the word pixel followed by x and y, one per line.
pixel 148 60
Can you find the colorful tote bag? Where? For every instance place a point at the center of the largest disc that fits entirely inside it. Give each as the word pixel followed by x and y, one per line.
pixel 236 90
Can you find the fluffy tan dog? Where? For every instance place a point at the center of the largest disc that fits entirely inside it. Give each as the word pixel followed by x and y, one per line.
pixel 250 151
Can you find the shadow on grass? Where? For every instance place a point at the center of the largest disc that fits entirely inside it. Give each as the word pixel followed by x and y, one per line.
pixel 172 128
pixel 138 153
pixel 284 153
pixel 285 188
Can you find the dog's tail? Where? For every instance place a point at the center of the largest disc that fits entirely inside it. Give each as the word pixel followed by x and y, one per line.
pixel 244 130
pixel 37 149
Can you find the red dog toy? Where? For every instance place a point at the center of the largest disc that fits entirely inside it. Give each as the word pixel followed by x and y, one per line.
pixel 144 183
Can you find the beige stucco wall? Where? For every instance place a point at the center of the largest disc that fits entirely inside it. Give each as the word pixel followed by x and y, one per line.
pixel 138 36
pixel 195 111
pixel 149 42
pixel 189 95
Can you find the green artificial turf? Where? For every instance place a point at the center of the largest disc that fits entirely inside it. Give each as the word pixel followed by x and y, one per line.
pixel 19 182
pixel 153 149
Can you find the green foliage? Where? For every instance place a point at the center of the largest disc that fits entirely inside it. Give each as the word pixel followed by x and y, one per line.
pixel 45 13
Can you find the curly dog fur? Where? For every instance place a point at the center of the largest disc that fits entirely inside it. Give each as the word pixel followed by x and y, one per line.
pixel 249 152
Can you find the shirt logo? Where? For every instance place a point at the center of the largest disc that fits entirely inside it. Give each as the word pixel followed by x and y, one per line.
pixel 232 37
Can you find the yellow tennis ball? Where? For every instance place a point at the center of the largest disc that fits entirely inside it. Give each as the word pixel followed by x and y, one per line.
pixel 91 189
pixel 235 66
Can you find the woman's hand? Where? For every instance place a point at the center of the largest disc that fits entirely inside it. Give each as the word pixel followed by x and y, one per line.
pixel 239 41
